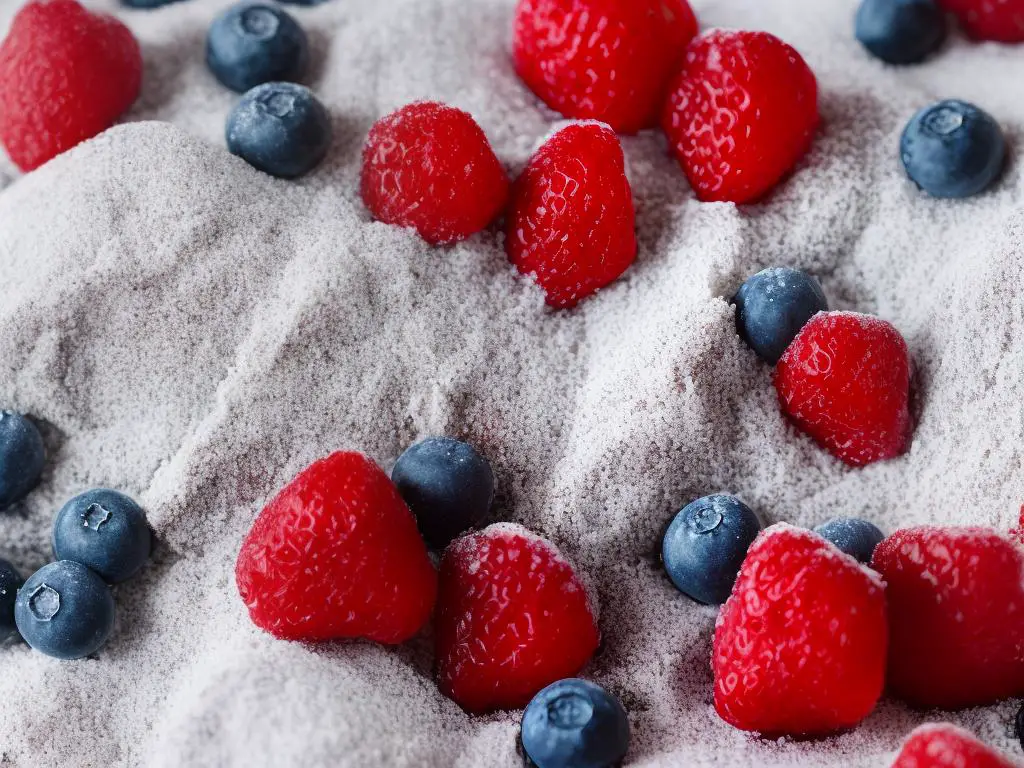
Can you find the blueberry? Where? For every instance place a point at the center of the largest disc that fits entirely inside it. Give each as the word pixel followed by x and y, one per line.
pixel 253 43
pixel 21 457
pixel 575 724
pixel 900 31
pixel 280 128
pixel 104 530
pixel 448 486
pixel 705 545
pixel 10 583
pixel 857 538
pixel 772 307
pixel 65 610
pixel 952 149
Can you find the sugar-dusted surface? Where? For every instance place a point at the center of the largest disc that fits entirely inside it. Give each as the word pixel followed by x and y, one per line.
pixel 194 333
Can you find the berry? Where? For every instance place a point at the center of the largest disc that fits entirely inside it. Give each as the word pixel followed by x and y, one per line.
pixel 704 546
pixel 252 43
pixel 953 149
pixel 575 724
pixel 1002 20
pixel 900 31
pixel 571 222
pixel 946 746
pixel 741 114
pixel 22 456
pixel 845 381
pixel 429 166
pixel 857 538
pixel 104 530
pixel 608 60
pixel 512 618
pixel 773 305
pixel 799 648
pixel 956 597
pixel 66 74
pixel 281 129
pixel 336 554
pixel 65 610
pixel 10 583
pixel 447 485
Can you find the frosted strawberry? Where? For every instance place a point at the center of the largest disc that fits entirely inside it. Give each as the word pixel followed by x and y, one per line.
pixel 336 554
pixel 845 381
pixel 946 746
pixel 1000 20
pixel 956 612
pixel 740 114
pixel 571 222
pixel 800 646
pixel 512 618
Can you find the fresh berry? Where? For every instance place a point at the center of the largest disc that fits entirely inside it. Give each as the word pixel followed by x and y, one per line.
pixel 741 114
pixel 857 538
pixel 281 129
pixel 66 74
pixel 773 305
pixel 799 648
pixel 575 724
pixel 336 554
pixel 999 20
pixel 512 618
pixel 956 598
pixel 253 43
pixel 571 222
pixel 946 746
pixel 900 31
pixel 104 530
pixel 65 610
pixel 22 456
pixel 430 167
pixel 704 546
pixel 953 149
pixel 10 583
pixel 447 485
pixel 845 381
pixel 608 60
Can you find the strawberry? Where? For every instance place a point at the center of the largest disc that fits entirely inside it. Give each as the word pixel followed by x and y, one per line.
pixel 66 74
pixel 571 222
pixel 845 381
pixel 999 20
pixel 946 746
pixel 956 610
pixel 800 646
pixel 740 114
pixel 513 617
pixel 608 60
pixel 336 554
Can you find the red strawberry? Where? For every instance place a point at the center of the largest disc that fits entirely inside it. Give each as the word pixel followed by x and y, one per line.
pixel 956 609
pixel 66 74
pixel 1000 20
pixel 512 618
pixel 946 746
pixel 741 114
pixel 800 645
pixel 608 60
pixel 845 381
pixel 571 222
pixel 336 554
pixel 429 166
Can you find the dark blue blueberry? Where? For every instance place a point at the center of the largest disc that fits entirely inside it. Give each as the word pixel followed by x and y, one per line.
pixel 280 128
pixel 447 485
pixel 705 545
pixel 10 583
pixel 772 307
pixel 857 538
pixel 575 724
pixel 104 530
pixel 21 457
pixel 253 43
pixel 901 31
pixel 953 149
pixel 65 610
